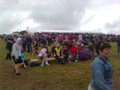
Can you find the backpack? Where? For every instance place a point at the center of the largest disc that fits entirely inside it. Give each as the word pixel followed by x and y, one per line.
pixel 33 64
pixel 84 55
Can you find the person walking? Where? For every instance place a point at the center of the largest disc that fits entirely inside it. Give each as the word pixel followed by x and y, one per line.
pixel 102 71
pixel 16 54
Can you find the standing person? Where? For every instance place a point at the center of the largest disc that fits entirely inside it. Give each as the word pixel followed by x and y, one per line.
pixel 35 45
pixel 49 40
pixel 9 48
pixel 42 40
pixel 80 38
pixel 16 53
pixel 102 71
pixel 60 39
pixel 118 46
pixel 29 43
pixel 91 49
pixel 97 47
pixel 24 44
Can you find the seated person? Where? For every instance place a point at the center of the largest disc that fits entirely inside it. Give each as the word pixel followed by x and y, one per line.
pixel 43 54
pixel 73 52
pixel 83 53
pixel 66 54
pixel 58 54
pixel 53 47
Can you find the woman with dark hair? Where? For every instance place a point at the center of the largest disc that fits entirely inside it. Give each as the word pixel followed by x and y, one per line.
pixel 102 71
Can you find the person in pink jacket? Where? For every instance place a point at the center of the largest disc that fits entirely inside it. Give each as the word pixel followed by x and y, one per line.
pixel 43 55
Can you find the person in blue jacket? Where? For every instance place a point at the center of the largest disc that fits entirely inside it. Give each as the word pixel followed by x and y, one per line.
pixel 102 71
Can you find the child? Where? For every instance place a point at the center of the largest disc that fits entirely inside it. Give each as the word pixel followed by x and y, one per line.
pixel 23 59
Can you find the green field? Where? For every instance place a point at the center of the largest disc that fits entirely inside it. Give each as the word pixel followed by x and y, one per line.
pixel 73 76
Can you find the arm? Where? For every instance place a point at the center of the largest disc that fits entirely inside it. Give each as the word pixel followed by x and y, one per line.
pixel 60 52
pixel 55 53
pixel 22 57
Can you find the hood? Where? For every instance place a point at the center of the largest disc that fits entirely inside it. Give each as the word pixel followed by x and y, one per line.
pixel 18 40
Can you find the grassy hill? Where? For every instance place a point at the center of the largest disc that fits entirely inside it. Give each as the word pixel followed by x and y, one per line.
pixel 73 76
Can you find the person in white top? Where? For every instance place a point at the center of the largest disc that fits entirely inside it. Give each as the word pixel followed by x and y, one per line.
pixel 80 37
pixel 43 54
pixel 16 54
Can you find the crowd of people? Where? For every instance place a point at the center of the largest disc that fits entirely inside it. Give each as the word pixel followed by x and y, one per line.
pixel 67 47
pixel 77 45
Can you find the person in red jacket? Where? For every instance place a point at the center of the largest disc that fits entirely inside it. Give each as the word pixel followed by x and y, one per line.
pixel 73 52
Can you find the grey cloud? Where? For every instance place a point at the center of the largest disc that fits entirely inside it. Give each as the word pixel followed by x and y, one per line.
pixel 8 5
pixel 60 14
pixel 9 21
pixel 49 14
pixel 113 27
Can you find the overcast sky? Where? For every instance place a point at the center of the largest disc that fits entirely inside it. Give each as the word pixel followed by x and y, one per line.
pixel 78 15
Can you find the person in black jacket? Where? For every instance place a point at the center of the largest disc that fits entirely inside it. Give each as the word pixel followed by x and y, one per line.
pixel 9 48
pixel 66 54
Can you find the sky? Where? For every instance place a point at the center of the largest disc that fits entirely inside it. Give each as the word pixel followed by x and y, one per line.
pixel 96 16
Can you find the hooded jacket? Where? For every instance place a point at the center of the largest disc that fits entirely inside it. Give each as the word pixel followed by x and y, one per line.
pixel 16 48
